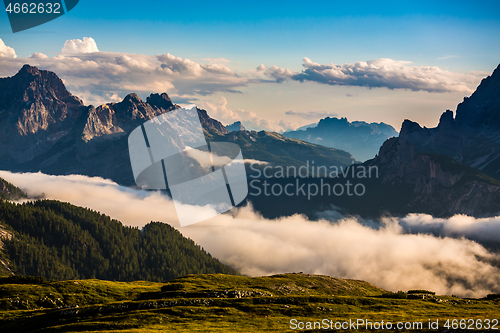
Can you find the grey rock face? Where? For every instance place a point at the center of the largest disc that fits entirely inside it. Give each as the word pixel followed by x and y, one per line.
pixel 473 136
pixel 439 185
pixel 36 111
pixel 443 166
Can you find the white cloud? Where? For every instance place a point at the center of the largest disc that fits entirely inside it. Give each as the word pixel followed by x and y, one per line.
pixel 484 230
pixel 277 73
pixel 172 64
pixel 249 119
pixel 312 115
pixel 38 55
pixel 73 46
pixel 95 76
pixel 379 73
pixel 6 51
pixel 388 257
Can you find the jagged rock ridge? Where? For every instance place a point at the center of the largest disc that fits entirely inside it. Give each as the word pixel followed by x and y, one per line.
pixel 36 110
pixel 446 167
pixel 472 136
pixel 59 135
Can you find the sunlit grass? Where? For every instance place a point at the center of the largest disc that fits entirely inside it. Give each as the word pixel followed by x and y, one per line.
pixel 190 304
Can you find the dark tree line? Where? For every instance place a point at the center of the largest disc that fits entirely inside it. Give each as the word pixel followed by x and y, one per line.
pixel 59 241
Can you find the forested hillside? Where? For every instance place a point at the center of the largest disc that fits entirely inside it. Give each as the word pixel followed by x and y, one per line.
pixel 9 191
pixel 58 241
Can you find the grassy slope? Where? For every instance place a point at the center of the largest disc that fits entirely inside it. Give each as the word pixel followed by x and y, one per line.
pixel 190 304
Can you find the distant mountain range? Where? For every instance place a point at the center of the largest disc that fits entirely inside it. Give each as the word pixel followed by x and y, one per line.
pixel 361 139
pixel 447 170
pixel 45 128
pixel 451 169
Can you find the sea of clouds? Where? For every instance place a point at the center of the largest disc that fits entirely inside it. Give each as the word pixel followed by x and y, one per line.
pixel 414 252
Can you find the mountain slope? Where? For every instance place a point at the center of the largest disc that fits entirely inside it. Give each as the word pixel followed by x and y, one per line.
pixel 278 150
pixel 440 171
pixel 57 240
pixel 36 111
pixel 435 184
pixel 94 140
pixel 472 137
pixel 359 138
pixel 10 192
pixel 448 170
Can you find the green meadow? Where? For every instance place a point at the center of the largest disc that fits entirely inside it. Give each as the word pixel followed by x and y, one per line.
pixel 221 303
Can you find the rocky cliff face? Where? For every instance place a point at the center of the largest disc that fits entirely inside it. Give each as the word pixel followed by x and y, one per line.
pixel 36 111
pixel 445 168
pixel 482 108
pixel 438 185
pixel 44 127
pixel 123 117
pixel 210 125
pixel 472 137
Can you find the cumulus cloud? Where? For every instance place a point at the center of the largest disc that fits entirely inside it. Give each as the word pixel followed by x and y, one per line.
pixel 6 51
pixel 249 119
pixel 172 64
pixel 379 73
pixel 386 256
pixel 277 73
pixel 311 115
pixel 87 45
pixel 484 230
pixel 95 76
pixel 38 55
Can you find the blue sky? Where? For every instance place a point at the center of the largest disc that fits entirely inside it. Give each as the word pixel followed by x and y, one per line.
pixel 457 36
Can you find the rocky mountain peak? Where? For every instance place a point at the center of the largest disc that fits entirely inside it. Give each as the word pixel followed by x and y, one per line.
pixel 408 128
pixel 334 121
pixel 359 138
pixel 162 101
pixel 30 85
pixel 483 106
pixel 131 108
pixel 446 119
pixel 132 98
pixel 35 111
pixel 28 70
